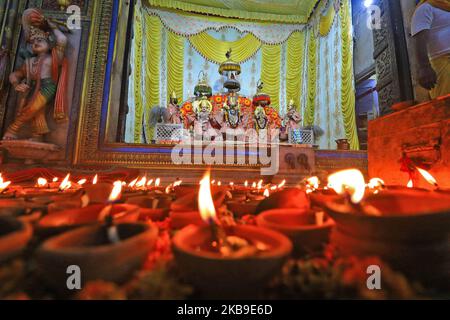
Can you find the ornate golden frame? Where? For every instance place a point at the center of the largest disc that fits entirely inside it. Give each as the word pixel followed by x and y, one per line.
pixel 89 148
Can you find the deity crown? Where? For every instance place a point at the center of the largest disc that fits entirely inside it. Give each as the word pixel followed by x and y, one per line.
pixel 36 33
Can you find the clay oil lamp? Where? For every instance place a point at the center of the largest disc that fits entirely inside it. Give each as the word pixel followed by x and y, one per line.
pixel 14 237
pixel 407 228
pixel 60 221
pixel 185 211
pixel 244 206
pixel 22 209
pixel 227 261
pixel 246 201
pixel 152 208
pixel 287 198
pixel 308 231
pixel 109 251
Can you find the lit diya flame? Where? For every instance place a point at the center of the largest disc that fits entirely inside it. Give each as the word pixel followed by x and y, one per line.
pixel 282 184
pixel 177 183
pixel 133 183
pixel 55 179
pixel 3 184
pixel 150 182
pixel 95 180
pixel 82 182
pixel 410 184
pixel 260 182
pixel 42 182
pixel 157 182
pixel 65 184
pixel 219 183
pixel 376 183
pixel 254 185
pixel 105 214
pixel 141 183
pixel 430 179
pixel 313 182
pixel 116 191
pixel 349 182
pixel 266 193
pixel 205 201
pixel 246 183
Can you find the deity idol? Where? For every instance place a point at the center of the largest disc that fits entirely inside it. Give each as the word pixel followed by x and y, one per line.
pixel 261 120
pixel 232 112
pixel 204 120
pixel 38 80
pixel 292 118
pixel 174 110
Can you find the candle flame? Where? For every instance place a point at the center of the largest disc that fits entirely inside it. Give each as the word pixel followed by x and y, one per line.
pixel 41 182
pixel 410 184
pixel 65 184
pixel 246 183
pixel 205 200
pixel 157 182
pixel 282 184
pixel 348 181
pixel 375 183
pixel 116 191
pixel 430 179
pixel 266 193
pixel 231 184
pixel 81 182
pixel 150 182
pixel 95 180
pixel 55 179
pixel 254 185
pixel 219 183
pixel 213 182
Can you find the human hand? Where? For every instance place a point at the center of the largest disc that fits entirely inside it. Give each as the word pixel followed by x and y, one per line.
pixel 427 77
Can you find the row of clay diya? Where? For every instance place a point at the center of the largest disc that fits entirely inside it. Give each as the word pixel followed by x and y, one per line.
pixel 403 226
pixel 85 225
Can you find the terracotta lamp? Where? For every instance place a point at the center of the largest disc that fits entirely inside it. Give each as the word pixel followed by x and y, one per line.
pixel 98 258
pixel 27 211
pixel 69 219
pixel 228 262
pixel 14 236
pixel 409 229
pixel 309 231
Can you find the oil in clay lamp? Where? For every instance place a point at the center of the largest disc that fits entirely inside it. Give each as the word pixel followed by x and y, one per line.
pixel 407 228
pixel 221 261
